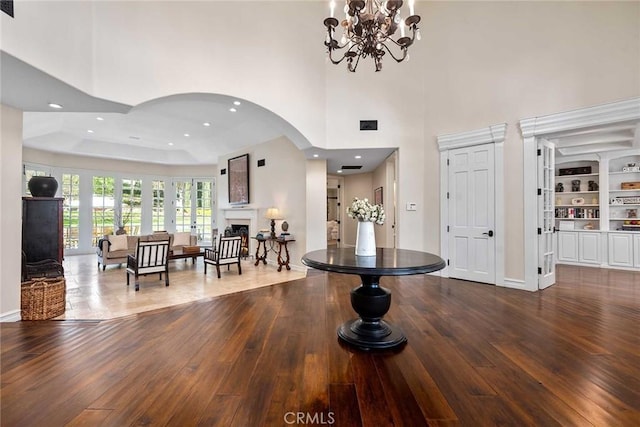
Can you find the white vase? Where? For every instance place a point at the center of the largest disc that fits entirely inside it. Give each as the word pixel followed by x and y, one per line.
pixel 365 239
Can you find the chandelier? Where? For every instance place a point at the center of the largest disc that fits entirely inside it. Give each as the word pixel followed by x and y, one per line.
pixel 368 30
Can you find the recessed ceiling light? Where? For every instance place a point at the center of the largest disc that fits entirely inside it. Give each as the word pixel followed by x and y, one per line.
pixel 99 118
pixel 358 157
pixel 54 105
pixel 90 131
pixel 186 134
pixel 233 110
pixel 171 143
pixel 236 103
pixel 316 155
pixel 340 171
pixel 207 124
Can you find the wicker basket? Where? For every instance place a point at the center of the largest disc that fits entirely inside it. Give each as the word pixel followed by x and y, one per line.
pixel 43 298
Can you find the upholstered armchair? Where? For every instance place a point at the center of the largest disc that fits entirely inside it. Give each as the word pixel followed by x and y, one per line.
pixel 150 257
pixel 226 253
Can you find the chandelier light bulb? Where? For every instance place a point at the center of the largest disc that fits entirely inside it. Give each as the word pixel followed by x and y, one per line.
pixel 418 35
pixel 343 40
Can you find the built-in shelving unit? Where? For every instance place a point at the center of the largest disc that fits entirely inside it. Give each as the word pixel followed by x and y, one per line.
pixel 611 238
pixel 624 203
pixel 577 203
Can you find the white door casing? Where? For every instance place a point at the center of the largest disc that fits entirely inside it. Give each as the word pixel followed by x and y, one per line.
pixel 471 176
pixel 546 215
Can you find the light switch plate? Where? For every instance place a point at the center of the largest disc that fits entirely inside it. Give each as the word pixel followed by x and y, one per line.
pixel 411 206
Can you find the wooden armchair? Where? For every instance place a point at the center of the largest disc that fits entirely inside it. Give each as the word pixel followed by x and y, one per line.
pixel 150 257
pixel 226 253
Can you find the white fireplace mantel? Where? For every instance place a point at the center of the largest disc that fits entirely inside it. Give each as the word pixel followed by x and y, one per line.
pixel 241 213
pixel 249 215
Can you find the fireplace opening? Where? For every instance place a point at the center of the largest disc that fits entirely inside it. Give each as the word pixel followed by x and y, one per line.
pixel 241 230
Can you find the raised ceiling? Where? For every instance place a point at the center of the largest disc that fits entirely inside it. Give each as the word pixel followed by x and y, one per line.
pixel 155 131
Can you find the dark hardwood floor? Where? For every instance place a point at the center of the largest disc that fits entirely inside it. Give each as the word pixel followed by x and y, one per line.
pixel 476 355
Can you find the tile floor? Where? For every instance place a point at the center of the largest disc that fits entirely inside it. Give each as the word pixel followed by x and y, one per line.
pixel 96 294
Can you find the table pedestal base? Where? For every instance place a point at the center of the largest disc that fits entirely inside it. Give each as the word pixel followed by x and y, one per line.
pixel 371 302
pixel 368 336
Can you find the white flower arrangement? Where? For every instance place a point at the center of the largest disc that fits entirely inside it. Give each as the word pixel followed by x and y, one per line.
pixel 362 210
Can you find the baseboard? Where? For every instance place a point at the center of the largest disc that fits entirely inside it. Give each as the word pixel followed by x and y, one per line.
pixel 514 284
pixel 11 316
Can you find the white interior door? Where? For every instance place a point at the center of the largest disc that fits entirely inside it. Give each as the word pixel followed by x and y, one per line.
pixel 472 213
pixel 546 216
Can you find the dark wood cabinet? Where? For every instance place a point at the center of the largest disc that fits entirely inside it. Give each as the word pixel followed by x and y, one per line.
pixel 42 228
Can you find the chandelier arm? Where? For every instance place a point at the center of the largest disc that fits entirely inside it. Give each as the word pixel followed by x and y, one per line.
pixel 413 38
pixel 404 53
pixel 333 61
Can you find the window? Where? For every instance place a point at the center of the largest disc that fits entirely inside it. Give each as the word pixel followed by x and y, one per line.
pixel 204 209
pixel 183 205
pixel 102 206
pixel 194 207
pixel 131 205
pixel 71 210
pixel 157 220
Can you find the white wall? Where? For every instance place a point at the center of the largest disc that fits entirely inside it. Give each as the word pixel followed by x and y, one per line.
pixel 316 203
pixel 10 212
pixel 478 63
pixel 280 183
pixel 497 62
pixel 43 32
pixel 360 186
pixel 383 176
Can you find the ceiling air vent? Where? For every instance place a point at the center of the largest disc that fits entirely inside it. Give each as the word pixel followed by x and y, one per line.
pixel 350 167
pixel 368 125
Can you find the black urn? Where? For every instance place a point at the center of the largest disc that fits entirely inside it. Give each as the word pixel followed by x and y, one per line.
pixel 43 186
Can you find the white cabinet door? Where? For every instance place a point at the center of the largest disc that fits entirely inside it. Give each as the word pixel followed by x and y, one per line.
pixel 567 246
pixel 621 249
pixel 589 248
pixel 636 250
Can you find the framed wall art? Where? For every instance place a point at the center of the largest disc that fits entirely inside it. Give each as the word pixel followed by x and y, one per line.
pixel 377 196
pixel 238 170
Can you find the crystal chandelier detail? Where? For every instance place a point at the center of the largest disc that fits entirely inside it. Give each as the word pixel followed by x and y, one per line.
pixel 368 30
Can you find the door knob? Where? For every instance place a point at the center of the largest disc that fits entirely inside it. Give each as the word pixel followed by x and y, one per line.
pixel 489 233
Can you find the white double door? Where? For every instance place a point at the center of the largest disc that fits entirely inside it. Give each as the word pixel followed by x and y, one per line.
pixel 471 200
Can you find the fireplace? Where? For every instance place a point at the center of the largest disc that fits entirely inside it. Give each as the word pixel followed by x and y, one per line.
pixel 242 217
pixel 242 231
pixel 239 229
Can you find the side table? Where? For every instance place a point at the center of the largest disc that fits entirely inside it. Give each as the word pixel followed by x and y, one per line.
pixel 283 261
